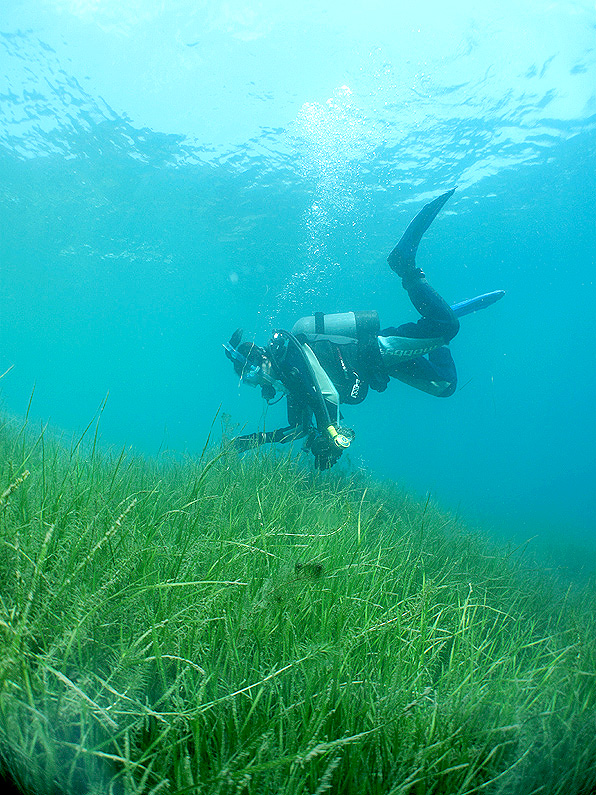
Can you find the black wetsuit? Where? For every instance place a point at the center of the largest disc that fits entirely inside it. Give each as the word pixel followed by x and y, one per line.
pixel 435 372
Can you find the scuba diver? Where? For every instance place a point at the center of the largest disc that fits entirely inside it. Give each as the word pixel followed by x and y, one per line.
pixel 331 359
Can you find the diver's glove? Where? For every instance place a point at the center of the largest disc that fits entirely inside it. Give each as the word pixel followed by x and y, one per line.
pixel 325 450
pixel 243 443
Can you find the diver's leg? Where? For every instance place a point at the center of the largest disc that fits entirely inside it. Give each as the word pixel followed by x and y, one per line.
pixel 437 319
pixel 403 257
pixel 436 374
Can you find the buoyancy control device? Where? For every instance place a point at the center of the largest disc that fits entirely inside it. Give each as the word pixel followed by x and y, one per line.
pixel 302 372
pixel 346 344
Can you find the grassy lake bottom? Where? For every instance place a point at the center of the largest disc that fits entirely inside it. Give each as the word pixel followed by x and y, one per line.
pixel 226 625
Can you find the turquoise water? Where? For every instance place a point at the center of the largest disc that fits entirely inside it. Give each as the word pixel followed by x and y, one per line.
pixel 172 171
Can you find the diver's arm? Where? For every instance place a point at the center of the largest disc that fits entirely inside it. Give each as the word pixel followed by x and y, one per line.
pixel 282 435
pixel 326 453
pixel 299 425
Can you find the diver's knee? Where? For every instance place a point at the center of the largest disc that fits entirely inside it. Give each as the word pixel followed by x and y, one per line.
pixel 452 327
pixel 449 390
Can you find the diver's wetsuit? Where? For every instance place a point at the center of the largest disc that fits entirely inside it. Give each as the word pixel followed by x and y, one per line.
pixel 429 366
pixel 436 372
pixel 414 353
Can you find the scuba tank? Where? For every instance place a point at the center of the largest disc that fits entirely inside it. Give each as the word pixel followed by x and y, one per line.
pixel 347 346
pixel 357 325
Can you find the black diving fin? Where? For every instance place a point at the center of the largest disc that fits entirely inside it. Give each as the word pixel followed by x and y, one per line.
pixel 402 258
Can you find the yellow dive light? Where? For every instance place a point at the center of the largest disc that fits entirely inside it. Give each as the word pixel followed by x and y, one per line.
pixel 339 439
